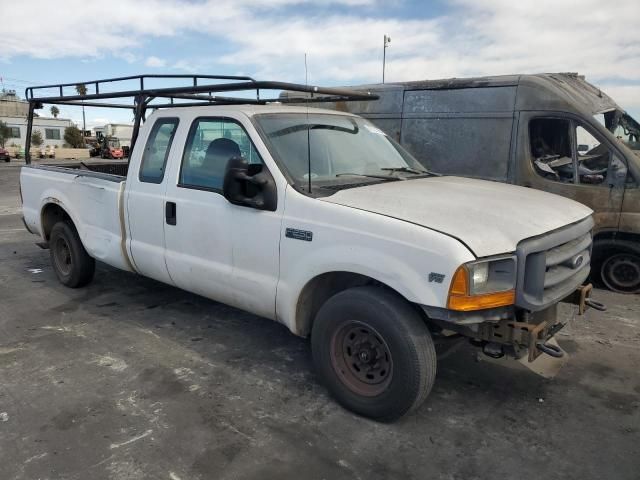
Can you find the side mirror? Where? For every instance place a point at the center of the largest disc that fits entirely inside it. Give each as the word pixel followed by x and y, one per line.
pixel 249 185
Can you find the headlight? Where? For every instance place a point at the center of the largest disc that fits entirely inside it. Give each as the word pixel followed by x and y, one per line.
pixel 483 284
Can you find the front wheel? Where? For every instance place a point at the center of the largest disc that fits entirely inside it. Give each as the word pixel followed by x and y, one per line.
pixel 373 352
pixel 71 262
pixel 620 272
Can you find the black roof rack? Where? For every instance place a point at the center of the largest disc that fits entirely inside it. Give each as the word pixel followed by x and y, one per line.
pixel 200 91
pixel 136 92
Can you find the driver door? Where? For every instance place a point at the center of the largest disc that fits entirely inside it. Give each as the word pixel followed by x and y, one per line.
pixel 226 252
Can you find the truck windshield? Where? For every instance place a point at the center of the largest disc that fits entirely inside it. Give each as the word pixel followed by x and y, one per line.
pixel 113 143
pixel 342 149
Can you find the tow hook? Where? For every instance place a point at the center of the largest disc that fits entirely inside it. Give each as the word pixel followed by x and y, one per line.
pixel 582 298
pixel 595 305
pixel 549 349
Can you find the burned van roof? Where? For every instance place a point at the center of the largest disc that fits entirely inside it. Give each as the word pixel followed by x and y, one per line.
pixel 543 91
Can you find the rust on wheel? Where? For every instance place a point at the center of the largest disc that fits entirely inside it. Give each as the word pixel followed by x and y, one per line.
pixel 361 358
pixel 62 256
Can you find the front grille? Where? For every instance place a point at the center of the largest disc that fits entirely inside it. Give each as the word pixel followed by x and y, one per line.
pixel 551 266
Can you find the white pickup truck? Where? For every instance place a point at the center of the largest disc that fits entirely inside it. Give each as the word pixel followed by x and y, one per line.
pixel 320 221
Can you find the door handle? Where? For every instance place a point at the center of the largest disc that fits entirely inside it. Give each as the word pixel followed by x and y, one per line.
pixel 170 213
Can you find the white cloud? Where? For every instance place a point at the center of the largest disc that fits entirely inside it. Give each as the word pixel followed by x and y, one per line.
pixel 126 56
pixel 155 62
pixel 268 38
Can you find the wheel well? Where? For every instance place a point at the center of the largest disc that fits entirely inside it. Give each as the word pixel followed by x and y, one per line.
pixel 615 235
pixel 610 242
pixel 318 290
pixel 52 213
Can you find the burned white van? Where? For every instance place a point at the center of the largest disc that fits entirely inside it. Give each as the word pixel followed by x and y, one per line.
pixel 553 132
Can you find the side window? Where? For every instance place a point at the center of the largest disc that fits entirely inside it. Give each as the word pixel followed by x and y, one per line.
pixel 156 151
pixel 52 133
pixel 593 158
pixel 211 143
pixel 551 148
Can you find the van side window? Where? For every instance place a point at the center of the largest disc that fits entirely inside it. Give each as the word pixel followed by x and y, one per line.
pixel 590 162
pixel 551 148
pixel 593 157
pixel 211 144
pixel 156 151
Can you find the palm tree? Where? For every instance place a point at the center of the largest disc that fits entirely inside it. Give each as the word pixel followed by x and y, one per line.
pixel 81 89
pixel 54 111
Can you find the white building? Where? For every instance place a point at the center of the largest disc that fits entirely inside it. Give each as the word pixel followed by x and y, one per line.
pixel 14 111
pixel 122 131
pixel 51 129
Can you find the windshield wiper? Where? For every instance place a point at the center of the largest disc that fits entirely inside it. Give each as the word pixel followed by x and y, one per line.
pixel 381 177
pixel 405 170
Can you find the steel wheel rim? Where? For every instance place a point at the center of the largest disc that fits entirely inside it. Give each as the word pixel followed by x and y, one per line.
pixel 621 273
pixel 361 359
pixel 62 256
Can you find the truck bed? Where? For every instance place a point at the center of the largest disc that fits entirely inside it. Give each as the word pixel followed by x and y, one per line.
pixel 117 169
pixel 92 194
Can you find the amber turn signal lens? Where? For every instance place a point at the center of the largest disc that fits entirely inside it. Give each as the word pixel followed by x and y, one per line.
pixel 480 302
pixel 459 285
pixel 459 298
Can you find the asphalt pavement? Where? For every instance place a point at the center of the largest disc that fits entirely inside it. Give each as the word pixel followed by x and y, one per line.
pixel 132 379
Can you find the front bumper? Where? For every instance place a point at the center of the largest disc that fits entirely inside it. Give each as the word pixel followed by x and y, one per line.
pixel 513 331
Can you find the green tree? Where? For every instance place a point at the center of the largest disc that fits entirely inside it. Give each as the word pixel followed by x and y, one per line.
pixel 5 133
pixel 54 111
pixel 73 136
pixel 36 138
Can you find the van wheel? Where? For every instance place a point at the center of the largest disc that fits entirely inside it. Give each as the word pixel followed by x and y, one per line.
pixel 373 352
pixel 620 271
pixel 71 262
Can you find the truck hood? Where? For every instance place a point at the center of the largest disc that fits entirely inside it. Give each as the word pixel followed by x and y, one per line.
pixel 490 218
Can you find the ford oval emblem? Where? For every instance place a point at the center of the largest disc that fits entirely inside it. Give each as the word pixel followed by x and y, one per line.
pixel 577 261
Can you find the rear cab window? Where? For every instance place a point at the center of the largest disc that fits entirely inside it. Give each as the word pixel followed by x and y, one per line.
pixel 156 151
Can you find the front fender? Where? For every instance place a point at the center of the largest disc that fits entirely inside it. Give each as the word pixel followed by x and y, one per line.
pixel 415 261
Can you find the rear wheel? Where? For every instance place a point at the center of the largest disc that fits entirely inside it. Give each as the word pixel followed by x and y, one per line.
pixel 71 262
pixel 373 352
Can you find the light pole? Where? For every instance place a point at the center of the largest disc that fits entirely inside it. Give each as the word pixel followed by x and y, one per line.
pixel 387 41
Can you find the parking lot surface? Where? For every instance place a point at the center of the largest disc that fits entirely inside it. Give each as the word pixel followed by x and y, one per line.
pixel 132 379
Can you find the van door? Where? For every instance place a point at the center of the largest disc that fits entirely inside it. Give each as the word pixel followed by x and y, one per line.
pixel 222 251
pixel 145 201
pixel 563 155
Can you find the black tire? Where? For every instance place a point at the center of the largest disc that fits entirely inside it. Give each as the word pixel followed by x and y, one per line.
pixel 71 262
pixel 620 271
pixel 373 352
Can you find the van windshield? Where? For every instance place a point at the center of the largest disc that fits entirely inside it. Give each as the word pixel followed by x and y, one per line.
pixel 343 149
pixel 624 127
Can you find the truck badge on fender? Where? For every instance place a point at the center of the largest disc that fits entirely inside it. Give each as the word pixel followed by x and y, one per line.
pixel 305 235
pixel 436 277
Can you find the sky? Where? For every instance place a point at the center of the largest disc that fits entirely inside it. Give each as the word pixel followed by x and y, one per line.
pixel 73 41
